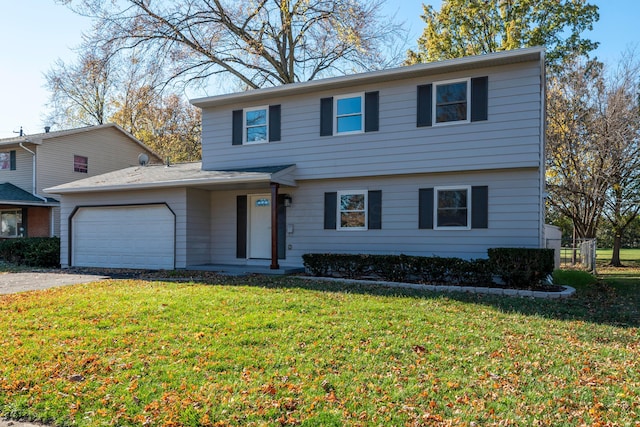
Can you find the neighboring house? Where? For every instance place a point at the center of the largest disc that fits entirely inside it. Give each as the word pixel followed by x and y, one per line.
pixel 29 163
pixel 441 159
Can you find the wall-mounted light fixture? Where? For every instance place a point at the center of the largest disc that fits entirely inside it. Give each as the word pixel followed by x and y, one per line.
pixel 287 201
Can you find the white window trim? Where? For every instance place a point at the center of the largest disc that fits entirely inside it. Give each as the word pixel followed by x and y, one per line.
pixel 86 164
pixel 436 190
pixel 244 124
pixel 8 153
pixel 19 230
pixel 366 210
pixel 434 108
pixel 335 113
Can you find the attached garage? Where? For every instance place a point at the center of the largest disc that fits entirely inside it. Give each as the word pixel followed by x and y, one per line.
pixel 132 236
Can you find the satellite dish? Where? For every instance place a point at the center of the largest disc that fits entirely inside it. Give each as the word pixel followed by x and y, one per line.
pixel 143 159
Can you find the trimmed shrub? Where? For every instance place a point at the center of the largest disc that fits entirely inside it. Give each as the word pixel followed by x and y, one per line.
pixel 401 268
pixel 32 251
pixel 521 267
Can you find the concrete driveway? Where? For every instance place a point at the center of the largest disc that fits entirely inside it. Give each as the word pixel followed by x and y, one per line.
pixel 11 283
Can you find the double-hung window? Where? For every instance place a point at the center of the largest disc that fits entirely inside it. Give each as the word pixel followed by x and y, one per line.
pixel 80 164
pixel 459 207
pixel 349 113
pixel 452 208
pixel 8 160
pixel 256 125
pixel 451 102
pixel 352 210
pixel 10 223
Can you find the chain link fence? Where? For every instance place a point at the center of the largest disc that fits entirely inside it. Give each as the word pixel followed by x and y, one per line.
pixel 579 253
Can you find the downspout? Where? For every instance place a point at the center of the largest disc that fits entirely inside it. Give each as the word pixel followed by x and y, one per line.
pixel 34 192
pixel 33 170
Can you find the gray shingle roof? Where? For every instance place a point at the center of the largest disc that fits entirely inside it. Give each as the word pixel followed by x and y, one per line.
pixel 12 194
pixel 176 175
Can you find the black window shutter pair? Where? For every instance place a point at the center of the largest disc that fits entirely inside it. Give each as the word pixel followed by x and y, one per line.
pixel 374 210
pixel 12 160
pixel 479 207
pixel 479 102
pixel 274 125
pixel 371 114
pixel 242 212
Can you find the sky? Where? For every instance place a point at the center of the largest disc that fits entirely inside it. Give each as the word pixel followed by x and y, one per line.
pixel 36 33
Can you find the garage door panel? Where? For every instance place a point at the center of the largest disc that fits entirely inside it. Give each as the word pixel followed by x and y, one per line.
pixel 124 237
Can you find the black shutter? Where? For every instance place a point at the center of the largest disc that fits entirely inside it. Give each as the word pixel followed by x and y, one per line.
pixel 330 210
pixel 374 200
pixel 326 116
pixel 25 221
pixel 236 138
pixel 282 227
pixel 12 160
pixel 371 111
pixel 241 227
pixel 480 207
pixel 425 208
pixel 424 107
pixel 479 98
pixel 274 123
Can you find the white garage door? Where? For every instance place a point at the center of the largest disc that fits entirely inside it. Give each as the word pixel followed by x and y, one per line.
pixel 124 237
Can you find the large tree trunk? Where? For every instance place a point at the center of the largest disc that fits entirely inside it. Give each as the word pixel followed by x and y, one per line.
pixel 615 257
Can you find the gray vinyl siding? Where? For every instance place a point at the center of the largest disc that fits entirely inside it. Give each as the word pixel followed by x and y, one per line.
pixel 223 226
pixel 23 175
pixel 174 198
pixel 106 149
pixel 514 217
pixel 198 225
pixel 510 138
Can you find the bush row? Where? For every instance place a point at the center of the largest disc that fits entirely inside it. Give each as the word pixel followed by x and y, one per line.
pixel 31 251
pixel 516 267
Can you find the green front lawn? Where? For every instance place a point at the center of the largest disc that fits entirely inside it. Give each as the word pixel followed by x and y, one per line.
pixel 286 351
pixel 628 257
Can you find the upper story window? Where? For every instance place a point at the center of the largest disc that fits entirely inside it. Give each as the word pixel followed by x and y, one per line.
pixel 349 114
pixel 451 101
pixel 80 164
pixel 11 223
pixel 256 125
pixel 8 160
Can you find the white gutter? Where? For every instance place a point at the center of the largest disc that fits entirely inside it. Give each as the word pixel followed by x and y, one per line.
pixel 33 168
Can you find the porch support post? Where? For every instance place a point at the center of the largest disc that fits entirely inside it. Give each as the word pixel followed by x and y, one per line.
pixel 274 226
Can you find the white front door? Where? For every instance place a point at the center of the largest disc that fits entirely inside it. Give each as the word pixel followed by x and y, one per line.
pixel 259 226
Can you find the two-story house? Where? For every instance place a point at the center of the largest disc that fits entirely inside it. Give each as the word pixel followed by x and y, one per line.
pixel 442 159
pixel 29 163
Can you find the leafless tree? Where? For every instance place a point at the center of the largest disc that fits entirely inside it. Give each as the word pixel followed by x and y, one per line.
pixel 620 133
pixel 257 42
pixel 593 146
pixel 576 165
pixel 80 91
